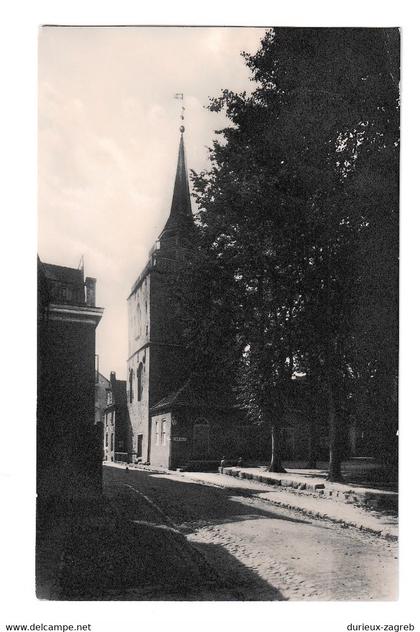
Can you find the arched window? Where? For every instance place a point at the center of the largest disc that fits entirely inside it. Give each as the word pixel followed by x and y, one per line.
pixel 201 421
pixel 130 386
pixel 139 381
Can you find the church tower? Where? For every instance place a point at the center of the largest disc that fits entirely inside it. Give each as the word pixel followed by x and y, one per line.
pixel 156 357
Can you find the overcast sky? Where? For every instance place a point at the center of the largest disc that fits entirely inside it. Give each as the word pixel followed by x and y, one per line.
pixel 108 141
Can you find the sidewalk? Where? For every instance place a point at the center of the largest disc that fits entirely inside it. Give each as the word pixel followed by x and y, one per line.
pixel 311 482
pixel 344 504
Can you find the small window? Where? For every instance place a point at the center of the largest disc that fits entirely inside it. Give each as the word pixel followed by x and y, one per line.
pixel 139 381
pixel 157 432
pixel 106 439
pixel 109 397
pixel 112 442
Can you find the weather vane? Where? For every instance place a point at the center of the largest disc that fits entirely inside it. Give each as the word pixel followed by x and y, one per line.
pixel 180 97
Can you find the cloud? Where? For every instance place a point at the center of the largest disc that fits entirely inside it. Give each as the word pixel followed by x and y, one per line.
pixel 108 140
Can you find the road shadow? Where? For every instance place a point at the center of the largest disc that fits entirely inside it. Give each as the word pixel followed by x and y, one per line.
pixel 190 505
pixel 138 562
pixel 127 547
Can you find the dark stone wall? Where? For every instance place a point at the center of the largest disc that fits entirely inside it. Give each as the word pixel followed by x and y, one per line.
pixel 231 437
pixel 69 445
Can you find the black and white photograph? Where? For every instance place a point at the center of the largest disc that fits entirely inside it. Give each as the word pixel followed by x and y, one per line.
pixel 209 367
pixel 217 409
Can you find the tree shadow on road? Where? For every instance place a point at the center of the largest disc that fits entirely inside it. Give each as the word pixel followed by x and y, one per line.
pixel 189 505
pixel 142 562
pixel 136 548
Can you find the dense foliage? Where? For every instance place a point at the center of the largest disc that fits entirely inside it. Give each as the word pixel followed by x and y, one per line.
pixel 297 269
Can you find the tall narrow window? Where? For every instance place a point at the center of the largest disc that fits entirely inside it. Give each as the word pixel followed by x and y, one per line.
pixel 130 386
pixel 138 318
pixel 157 432
pixel 163 432
pixel 139 381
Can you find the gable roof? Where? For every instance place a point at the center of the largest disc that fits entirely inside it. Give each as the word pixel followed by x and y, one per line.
pixel 189 396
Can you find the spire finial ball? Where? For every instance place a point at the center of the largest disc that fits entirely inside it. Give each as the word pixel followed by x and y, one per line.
pixel 182 129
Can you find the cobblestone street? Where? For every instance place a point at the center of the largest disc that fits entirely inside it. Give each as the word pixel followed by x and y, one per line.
pixel 177 539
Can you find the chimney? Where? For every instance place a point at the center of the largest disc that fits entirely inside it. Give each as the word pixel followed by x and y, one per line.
pixel 113 376
pixel 90 284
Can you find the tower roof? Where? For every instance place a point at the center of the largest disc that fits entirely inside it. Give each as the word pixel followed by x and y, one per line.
pixel 180 216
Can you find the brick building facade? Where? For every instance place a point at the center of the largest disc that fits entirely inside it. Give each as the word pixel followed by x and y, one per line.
pixel 102 386
pixel 115 421
pixel 68 442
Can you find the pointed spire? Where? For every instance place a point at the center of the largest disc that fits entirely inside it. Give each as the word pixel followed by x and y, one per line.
pixel 181 213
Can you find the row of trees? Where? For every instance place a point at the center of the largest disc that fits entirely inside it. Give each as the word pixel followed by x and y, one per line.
pixel 297 269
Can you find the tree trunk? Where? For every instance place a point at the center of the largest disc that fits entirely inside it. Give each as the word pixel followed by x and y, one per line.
pixel 275 465
pixel 334 473
pixel 312 412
